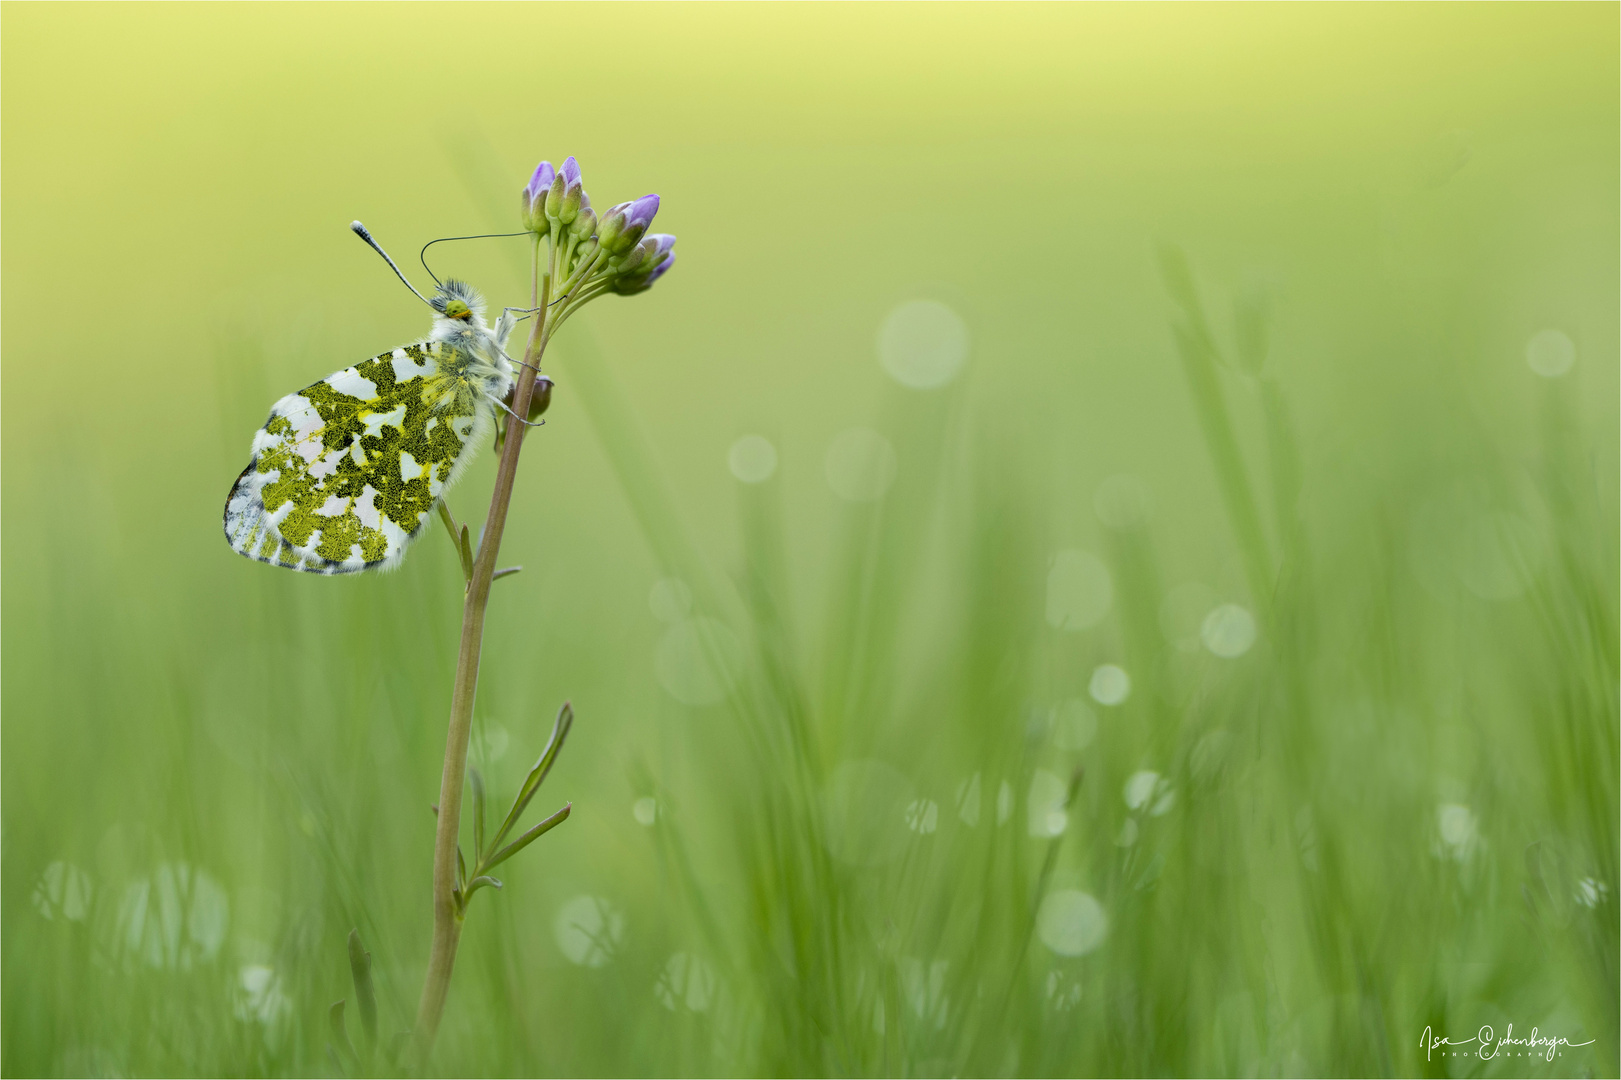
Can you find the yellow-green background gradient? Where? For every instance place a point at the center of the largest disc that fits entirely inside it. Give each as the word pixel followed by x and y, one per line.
pixel 1395 810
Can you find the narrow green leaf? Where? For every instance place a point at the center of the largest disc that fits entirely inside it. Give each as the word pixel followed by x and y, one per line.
pixel 507 572
pixel 560 730
pixel 365 996
pixel 343 1048
pixel 450 524
pixel 529 837
pixel 480 882
pixel 461 869
pixel 478 813
pixel 467 554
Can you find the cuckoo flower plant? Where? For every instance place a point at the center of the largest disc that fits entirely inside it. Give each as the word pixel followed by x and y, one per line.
pixel 575 257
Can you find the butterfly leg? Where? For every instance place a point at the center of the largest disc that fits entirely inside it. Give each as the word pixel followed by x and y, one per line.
pixel 509 412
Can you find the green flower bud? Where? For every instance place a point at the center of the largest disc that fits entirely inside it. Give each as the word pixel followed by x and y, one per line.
pixel 586 223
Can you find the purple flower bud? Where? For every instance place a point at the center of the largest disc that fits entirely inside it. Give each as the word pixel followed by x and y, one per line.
pixel 538 183
pixel 533 208
pixel 662 268
pixel 639 216
pixel 625 223
pixel 649 261
pixel 613 223
pixel 662 243
pixel 573 192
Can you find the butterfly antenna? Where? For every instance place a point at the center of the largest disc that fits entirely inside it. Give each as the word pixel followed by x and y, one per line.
pixel 360 231
pixel 446 239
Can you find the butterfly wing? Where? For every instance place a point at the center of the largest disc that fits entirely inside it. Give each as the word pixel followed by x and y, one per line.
pixel 346 471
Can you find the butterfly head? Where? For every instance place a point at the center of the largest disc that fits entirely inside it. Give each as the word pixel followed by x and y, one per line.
pixel 458 301
pixel 458 313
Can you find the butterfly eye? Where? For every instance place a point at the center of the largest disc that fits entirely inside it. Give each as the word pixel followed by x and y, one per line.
pixel 457 309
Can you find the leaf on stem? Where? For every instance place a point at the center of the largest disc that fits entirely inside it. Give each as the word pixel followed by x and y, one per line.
pixel 365 996
pixel 531 784
pixel 529 837
pixel 478 813
pixel 507 572
pixel 458 539
pixel 467 555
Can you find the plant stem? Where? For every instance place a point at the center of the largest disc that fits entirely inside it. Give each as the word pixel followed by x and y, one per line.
pixel 447 919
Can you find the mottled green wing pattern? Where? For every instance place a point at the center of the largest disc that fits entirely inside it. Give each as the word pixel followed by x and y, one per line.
pixel 346 471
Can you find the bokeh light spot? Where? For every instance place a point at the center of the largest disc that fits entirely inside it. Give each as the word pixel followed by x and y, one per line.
pixel 589 930
pixel 1048 794
pixel 923 344
pixel 1550 353
pixel 1071 922
pixel 1110 685
pixel 922 816
pixel 1228 631
pixel 1459 831
pixel 1140 788
pixel 752 459
pixel 645 810
pixel 63 890
pixel 686 981
pixel 173 919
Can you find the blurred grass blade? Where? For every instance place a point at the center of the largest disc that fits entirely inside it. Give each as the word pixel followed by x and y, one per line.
pixel 365 996
pixel 342 1048
pixel 1199 353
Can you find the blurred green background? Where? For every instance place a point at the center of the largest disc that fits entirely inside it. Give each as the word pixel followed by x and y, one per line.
pixel 1209 413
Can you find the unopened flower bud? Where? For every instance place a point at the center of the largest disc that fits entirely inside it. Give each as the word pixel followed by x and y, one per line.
pixel 586 223
pixel 638 217
pixel 534 197
pixel 628 262
pixel 586 251
pixel 654 257
pixel 554 196
pixel 568 207
pixel 661 269
pixel 613 223
pixel 540 398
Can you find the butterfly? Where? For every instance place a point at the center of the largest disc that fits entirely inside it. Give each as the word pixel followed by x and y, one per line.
pixel 346 471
